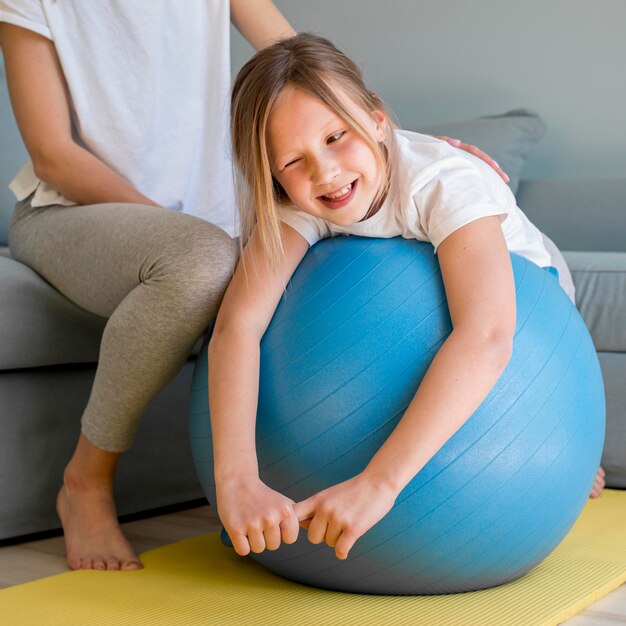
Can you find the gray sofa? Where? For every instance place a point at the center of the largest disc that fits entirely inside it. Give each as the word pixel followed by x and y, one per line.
pixel 49 346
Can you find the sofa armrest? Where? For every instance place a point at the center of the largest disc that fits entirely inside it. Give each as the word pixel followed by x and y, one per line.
pixel 578 214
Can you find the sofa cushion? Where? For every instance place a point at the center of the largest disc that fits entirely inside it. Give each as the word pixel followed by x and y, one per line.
pixel 40 326
pixel 507 138
pixel 600 280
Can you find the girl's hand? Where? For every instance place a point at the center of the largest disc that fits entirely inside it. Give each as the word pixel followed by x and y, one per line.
pixel 342 513
pixel 457 143
pixel 254 516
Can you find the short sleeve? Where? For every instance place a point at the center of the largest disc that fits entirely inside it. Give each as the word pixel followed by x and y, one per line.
pixel 452 194
pixel 28 14
pixel 311 228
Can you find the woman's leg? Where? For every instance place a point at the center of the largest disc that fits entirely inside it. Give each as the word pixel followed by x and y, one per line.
pixel 85 505
pixel 159 277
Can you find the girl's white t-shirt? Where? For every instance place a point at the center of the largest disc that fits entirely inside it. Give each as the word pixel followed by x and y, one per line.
pixel 149 86
pixel 435 190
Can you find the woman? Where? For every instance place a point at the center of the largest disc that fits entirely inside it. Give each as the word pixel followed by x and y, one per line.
pixel 123 110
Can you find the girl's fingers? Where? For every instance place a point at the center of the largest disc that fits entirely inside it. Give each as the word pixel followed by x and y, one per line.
pixel 256 540
pixel 289 529
pixel 272 537
pixel 344 544
pixel 268 538
pixel 332 535
pixel 305 509
pixel 240 543
pixel 317 529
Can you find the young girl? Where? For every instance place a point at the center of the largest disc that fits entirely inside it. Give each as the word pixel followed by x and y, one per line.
pixel 320 157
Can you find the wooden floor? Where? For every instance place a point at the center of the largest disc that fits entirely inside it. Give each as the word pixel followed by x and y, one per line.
pixel 32 560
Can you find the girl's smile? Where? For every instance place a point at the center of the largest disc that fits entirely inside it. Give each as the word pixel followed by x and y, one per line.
pixel 338 199
pixel 325 167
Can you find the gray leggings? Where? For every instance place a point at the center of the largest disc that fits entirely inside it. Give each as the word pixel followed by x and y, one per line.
pixel 157 275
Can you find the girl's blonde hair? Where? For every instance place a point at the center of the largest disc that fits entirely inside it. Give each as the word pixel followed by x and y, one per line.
pixel 314 65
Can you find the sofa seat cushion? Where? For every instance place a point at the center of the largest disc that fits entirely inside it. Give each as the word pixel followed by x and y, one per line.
pixel 39 326
pixel 600 280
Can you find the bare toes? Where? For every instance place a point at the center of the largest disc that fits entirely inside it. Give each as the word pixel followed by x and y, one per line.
pixel 113 565
pixel 74 562
pixel 98 563
pixel 131 565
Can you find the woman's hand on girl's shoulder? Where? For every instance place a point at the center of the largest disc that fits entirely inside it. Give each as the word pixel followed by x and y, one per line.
pixel 468 147
pixel 256 517
pixel 344 512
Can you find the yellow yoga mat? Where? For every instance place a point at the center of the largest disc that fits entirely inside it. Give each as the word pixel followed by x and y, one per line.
pixel 199 581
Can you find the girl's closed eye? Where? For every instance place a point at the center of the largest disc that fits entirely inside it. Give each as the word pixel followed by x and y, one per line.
pixel 331 139
pixel 292 162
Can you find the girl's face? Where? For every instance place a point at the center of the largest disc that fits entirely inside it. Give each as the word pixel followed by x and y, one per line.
pixel 323 165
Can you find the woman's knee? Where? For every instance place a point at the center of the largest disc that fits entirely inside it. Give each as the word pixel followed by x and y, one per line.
pixel 204 267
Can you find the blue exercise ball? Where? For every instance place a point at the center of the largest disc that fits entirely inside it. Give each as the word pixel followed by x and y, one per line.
pixel 341 360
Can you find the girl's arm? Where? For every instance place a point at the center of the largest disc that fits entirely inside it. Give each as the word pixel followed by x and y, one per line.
pixel 478 279
pixel 260 22
pixel 255 516
pixel 40 103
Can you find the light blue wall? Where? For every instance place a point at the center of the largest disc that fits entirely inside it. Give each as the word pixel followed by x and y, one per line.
pixel 12 153
pixel 441 60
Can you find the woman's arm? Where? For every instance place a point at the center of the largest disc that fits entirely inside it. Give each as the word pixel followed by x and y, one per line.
pixel 255 516
pixel 479 284
pixel 40 102
pixel 260 22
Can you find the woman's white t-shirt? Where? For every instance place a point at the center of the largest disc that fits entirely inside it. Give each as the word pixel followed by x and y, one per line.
pixel 149 86
pixel 436 189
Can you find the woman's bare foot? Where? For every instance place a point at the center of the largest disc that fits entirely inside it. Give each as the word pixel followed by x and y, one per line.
pixel 93 537
pixel 598 484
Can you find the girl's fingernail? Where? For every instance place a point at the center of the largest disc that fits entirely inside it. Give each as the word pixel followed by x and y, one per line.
pixel 455 142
